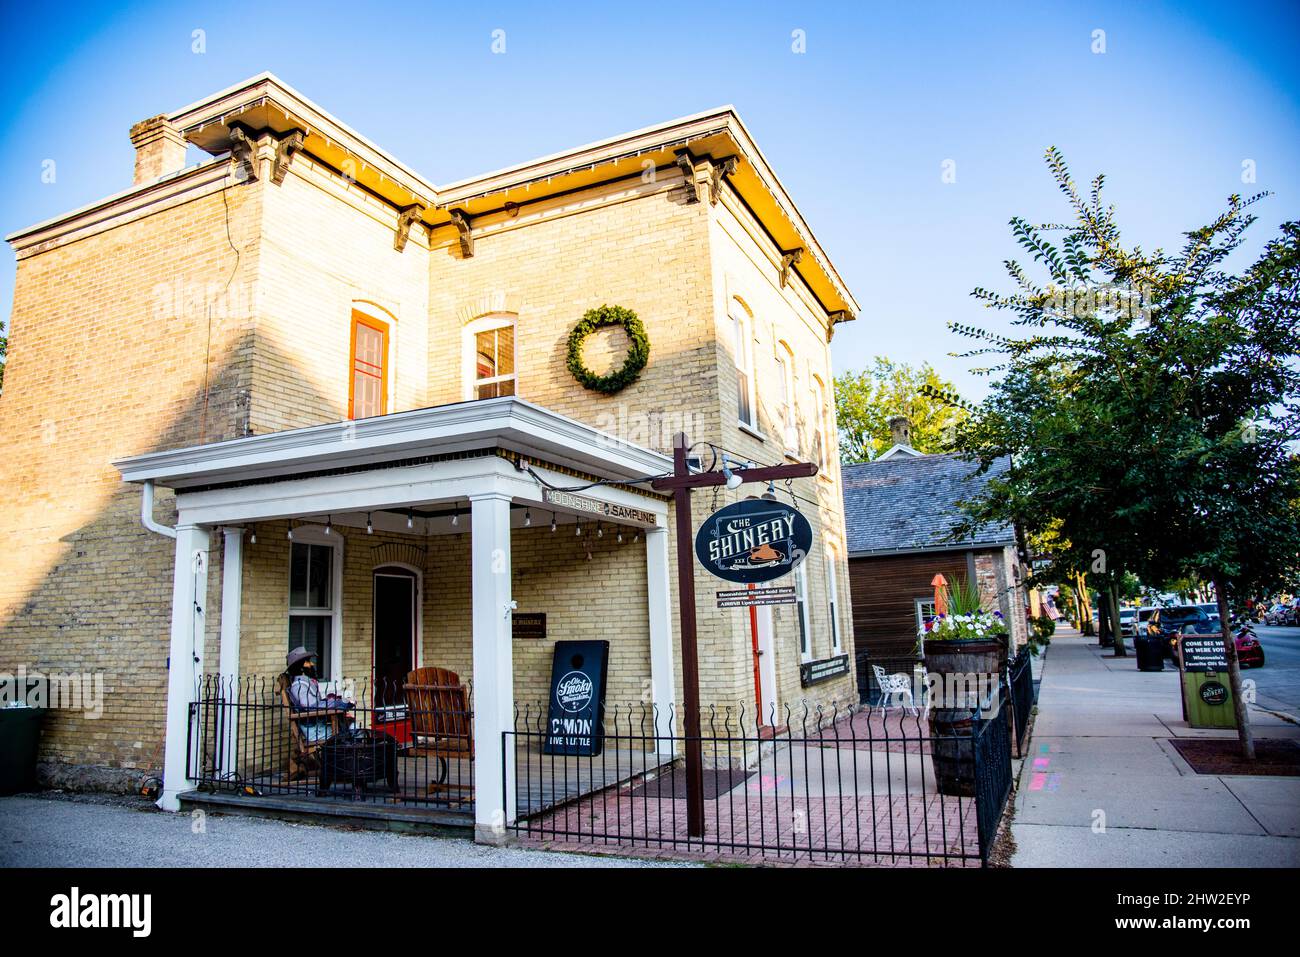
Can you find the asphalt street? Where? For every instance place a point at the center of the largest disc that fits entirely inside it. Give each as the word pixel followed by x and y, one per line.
pixel 1277 684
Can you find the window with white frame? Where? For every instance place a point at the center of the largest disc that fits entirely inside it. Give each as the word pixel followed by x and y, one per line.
pixel 833 599
pixel 821 424
pixel 801 607
pixel 489 369
pixel 786 421
pixel 744 353
pixel 924 612
pixel 315 577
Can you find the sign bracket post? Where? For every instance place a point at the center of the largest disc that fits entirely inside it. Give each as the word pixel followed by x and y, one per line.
pixel 680 483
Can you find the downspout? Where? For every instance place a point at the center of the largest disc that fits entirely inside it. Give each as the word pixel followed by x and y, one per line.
pixel 146 512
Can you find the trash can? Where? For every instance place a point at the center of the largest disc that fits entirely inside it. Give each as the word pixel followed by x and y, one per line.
pixel 20 734
pixel 1150 652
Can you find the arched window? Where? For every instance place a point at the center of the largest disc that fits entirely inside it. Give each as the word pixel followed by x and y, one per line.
pixel 368 383
pixel 786 417
pixel 489 369
pixel 744 357
pixel 821 451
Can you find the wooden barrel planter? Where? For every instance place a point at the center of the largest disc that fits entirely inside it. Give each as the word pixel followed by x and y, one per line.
pixel 952 746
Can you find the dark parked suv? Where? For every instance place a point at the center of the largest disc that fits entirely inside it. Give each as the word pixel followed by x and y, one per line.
pixel 1169 624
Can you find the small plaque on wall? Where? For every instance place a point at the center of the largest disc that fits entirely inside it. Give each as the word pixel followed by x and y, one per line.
pixel 814 672
pixel 528 625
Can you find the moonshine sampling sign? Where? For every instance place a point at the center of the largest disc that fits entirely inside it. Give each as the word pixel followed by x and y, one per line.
pixel 753 541
pixel 575 721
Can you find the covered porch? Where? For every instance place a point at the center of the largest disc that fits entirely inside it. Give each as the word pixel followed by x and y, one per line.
pixel 398 549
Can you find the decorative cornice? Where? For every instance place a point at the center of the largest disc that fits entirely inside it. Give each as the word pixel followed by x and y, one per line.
pixel 789 258
pixel 406 218
pixel 460 219
pixel 285 148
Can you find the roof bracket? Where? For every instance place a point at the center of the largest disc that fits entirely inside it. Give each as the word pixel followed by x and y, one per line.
pixel 285 148
pixel 687 163
pixel 407 217
pixel 243 150
pixel 839 315
pixel 719 169
pixel 789 258
pixel 460 219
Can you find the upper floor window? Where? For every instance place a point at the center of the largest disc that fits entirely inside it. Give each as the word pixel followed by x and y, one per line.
pixel 744 365
pixel 786 421
pixel 490 357
pixel 368 389
pixel 821 424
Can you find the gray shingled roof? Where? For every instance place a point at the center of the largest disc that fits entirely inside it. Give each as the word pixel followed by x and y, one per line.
pixel 909 503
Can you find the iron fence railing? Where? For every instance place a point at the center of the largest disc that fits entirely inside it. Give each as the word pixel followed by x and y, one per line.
pixel 1020 689
pixel 384 743
pixel 859 785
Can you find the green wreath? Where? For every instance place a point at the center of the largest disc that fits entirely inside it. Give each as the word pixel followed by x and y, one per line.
pixel 638 352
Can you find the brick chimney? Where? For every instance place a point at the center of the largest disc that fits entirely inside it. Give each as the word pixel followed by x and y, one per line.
pixel 159 149
pixel 900 429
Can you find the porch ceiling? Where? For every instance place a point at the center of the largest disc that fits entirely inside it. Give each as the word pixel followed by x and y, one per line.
pixel 506 423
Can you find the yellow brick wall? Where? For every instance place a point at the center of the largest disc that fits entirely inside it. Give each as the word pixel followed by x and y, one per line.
pixel 104 365
pixel 111 339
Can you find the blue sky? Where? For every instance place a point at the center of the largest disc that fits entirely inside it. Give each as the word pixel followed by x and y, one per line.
pixel 858 126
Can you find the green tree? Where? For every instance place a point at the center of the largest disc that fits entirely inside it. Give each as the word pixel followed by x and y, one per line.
pixel 865 400
pixel 1150 403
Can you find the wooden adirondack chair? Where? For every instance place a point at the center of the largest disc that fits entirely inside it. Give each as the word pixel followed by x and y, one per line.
pixel 437 705
pixel 303 759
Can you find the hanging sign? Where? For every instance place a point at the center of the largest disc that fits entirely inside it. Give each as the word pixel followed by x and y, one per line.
pixel 753 541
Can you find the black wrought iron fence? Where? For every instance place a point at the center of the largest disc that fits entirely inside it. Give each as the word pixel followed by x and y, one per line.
pixel 859 785
pixel 258 735
pixel 1020 689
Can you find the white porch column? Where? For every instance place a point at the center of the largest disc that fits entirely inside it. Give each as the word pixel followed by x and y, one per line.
pixel 494 695
pixel 189 596
pixel 232 602
pixel 663 688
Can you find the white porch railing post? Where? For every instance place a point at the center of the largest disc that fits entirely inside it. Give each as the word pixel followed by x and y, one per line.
pixel 232 603
pixel 659 605
pixel 189 598
pixel 494 696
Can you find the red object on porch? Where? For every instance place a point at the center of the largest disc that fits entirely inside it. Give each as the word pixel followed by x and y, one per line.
pixel 399 726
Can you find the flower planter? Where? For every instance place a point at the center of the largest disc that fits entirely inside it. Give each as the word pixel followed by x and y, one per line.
pixel 952 746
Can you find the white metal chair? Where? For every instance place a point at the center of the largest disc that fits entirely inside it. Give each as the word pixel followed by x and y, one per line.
pixel 899 685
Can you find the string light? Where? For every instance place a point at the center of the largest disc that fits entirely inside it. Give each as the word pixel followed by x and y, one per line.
pixel 620 534
pixel 552 521
pixel 410 519
pixel 370 528
pixel 528 517
pixel 455 518
pixel 600 532
pixel 577 529
pixel 329 525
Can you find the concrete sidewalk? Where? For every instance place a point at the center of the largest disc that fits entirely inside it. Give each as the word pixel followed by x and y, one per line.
pixel 1101 785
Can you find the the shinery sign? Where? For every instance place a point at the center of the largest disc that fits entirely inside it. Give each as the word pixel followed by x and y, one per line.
pixel 753 541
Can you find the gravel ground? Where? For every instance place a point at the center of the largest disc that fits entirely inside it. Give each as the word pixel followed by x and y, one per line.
pixel 57 830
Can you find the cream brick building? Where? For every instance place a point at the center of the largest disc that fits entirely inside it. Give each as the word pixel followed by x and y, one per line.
pixel 301 333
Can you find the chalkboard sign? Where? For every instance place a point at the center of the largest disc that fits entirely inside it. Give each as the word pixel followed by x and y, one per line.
pixel 1203 653
pixel 575 721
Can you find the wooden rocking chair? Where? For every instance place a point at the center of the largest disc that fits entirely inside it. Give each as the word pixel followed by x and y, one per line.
pixel 303 758
pixel 437 705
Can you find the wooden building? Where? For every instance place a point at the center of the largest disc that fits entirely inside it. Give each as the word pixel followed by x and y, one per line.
pixel 900 511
